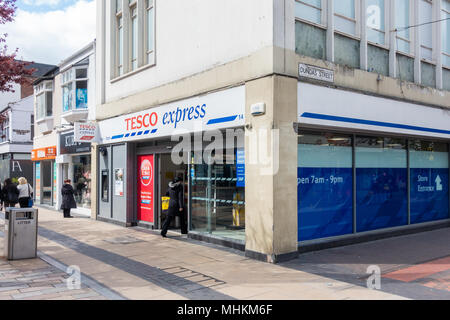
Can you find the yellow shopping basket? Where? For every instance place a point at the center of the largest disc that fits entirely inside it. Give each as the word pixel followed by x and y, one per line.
pixel 165 203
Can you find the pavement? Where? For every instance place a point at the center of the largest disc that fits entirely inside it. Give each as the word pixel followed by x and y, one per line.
pixel 120 263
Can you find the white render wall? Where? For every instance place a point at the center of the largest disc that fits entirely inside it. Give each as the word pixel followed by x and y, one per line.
pixel 191 37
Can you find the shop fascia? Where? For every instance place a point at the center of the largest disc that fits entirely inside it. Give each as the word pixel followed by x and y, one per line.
pixel 205 116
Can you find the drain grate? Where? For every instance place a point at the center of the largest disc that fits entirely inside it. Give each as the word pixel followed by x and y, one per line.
pixel 194 276
pixel 123 240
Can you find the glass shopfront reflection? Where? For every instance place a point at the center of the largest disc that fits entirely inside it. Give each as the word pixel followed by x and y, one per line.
pixel 381 183
pixel 429 181
pixel 82 180
pixel 218 199
pixel 324 184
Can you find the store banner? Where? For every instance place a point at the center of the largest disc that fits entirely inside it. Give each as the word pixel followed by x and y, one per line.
pixel 429 194
pixel 325 202
pixel 328 107
pixel 240 168
pixel 145 188
pixel 48 153
pixel 85 131
pixel 224 109
pixel 68 145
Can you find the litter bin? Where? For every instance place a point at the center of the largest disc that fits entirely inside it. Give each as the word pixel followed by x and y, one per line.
pixel 21 233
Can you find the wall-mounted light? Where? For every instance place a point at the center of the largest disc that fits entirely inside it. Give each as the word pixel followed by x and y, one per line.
pixel 258 109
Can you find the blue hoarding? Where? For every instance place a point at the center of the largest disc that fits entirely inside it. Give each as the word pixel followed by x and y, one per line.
pixel 325 207
pixel 429 195
pixel 381 198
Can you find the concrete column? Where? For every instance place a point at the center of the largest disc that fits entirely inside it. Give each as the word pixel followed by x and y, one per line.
pixel 95 186
pixel 271 170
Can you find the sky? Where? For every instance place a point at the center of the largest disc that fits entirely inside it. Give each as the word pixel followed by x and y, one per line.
pixel 48 31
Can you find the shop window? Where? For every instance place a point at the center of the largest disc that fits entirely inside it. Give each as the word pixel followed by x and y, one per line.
pixel 82 180
pixel 375 21
pixel 310 40
pixel 428 74
pixel 378 60
pixel 4 127
pixel 405 68
pixel 346 51
pixel 345 16
pixel 309 10
pixel 429 181
pixel 75 88
pixel 381 183
pixel 218 199
pixel 325 185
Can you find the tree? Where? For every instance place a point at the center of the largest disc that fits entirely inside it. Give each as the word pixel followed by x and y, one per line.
pixel 11 70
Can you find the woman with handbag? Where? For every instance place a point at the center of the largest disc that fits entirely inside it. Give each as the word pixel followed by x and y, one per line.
pixel 25 193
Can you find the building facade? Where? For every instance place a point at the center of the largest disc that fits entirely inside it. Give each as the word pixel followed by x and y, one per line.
pixel 62 99
pixel 304 122
pixel 17 128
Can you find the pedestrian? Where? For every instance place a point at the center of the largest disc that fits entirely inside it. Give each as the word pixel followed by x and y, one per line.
pixel 176 206
pixel 10 194
pixel 25 193
pixel 68 199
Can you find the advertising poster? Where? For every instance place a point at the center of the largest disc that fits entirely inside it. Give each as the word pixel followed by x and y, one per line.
pixel 429 195
pixel 118 182
pixel 240 168
pixel 325 202
pixel 38 182
pixel 145 188
pixel 81 98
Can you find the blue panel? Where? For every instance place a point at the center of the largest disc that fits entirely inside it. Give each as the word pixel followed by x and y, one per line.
pixel 429 195
pixel 325 206
pixel 381 198
pixel 240 168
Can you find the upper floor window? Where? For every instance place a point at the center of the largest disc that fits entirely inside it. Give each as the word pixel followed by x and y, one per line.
pixel 426 30
pixel 4 127
pixel 375 15
pixel 345 16
pixel 150 29
pixel 445 31
pixel 309 10
pixel 134 43
pixel 402 21
pixel 133 34
pixel 74 87
pixel 44 99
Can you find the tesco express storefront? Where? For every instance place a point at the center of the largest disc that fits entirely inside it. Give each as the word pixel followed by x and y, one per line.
pixel 136 165
pixel 367 163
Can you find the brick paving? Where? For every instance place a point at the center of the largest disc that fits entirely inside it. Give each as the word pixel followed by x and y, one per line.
pixel 36 280
pixel 128 263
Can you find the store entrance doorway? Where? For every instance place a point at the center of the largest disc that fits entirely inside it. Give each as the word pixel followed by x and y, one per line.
pixel 168 172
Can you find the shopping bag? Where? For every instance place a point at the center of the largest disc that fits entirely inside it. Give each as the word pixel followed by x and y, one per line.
pixel 30 203
pixel 165 203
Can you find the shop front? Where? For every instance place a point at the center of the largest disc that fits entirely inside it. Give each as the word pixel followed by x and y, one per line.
pixel 142 152
pixel 368 164
pixel 74 163
pixel 45 173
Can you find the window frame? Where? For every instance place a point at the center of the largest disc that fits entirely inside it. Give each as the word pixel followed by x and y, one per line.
pixel 357 21
pixel 41 90
pixel 443 52
pixel 72 80
pixel 323 14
